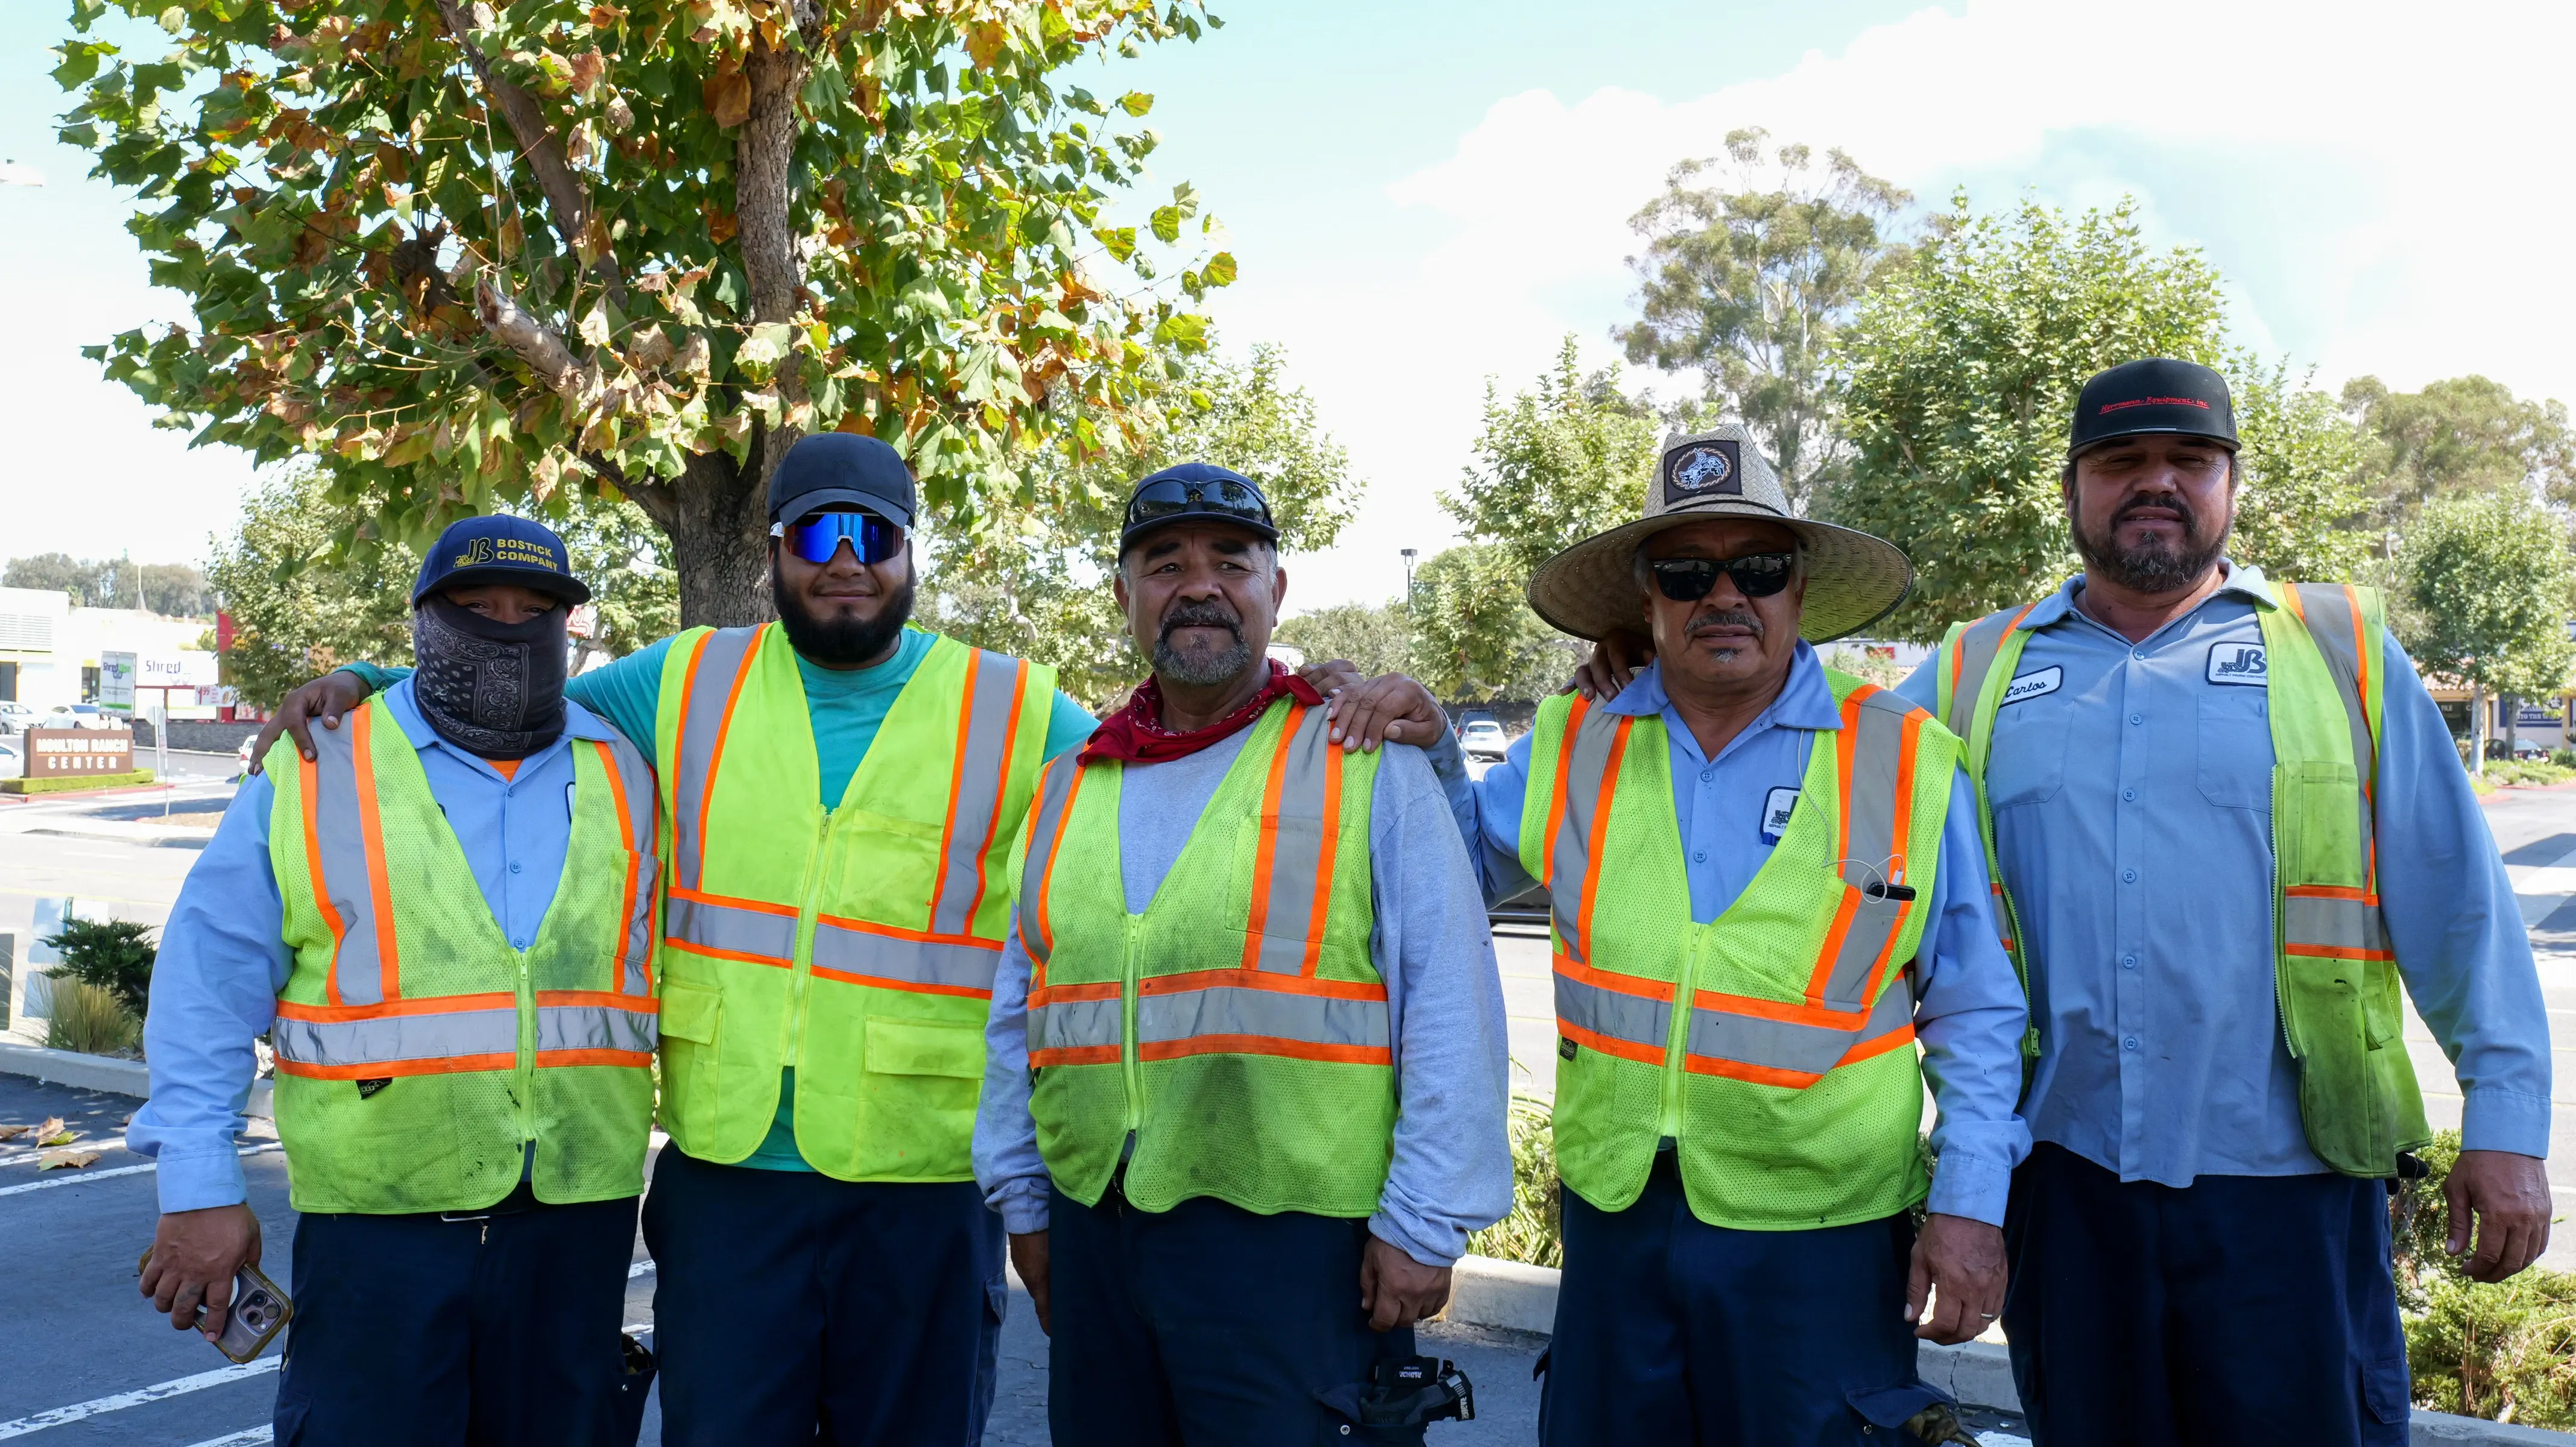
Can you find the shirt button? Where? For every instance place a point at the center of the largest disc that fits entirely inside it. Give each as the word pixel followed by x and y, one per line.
pixel 2137 718
pixel 2128 962
pixel 1707 774
pixel 2140 655
pixel 2129 1044
pixel 514 866
pixel 2128 876
pixel 1701 857
pixel 2130 795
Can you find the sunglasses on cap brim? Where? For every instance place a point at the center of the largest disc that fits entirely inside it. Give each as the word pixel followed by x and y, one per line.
pixel 816 536
pixel 1755 575
pixel 1173 497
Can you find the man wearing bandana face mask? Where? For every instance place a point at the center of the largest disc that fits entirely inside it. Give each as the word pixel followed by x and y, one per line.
pixel 443 921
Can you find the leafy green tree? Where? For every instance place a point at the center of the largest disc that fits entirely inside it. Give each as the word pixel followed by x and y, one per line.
pixel 55 573
pixel 634 596
pixel 1375 637
pixel 1963 371
pixel 1556 464
pixel 480 254
pixel 295 613
pixel 1031 578
pixel 175 589
pixel 114 955
pixel 2466 432
pixel 1477 639
pixel 2486 582
pixel 1749 280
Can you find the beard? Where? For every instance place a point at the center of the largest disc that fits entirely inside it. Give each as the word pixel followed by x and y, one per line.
pixel 2154 565
pixel 840 641
pixel 1205 668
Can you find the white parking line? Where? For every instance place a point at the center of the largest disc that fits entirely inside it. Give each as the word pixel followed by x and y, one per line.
pixel 640 1268
pixel 76 1177
pixel 178 1387
pixel 113 1143
pixel 251 1438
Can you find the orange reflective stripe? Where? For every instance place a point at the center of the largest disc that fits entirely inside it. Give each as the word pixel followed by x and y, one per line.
pixel 1556 801
pixel 434 1005
pixel 1001 791
pixel 1600 834
pixel 1266 856
pixel 1611 1045
pixel 392 1069
pixel 956 775
pixel 309 775
pixel 1049 1057
pixel 1044 995
pixel 1637 985
pixel 724 731
pixel 1270 980
pixel 685 867
pixel 1316 919
pixel 372 826
pixel 2331 891
pixel 638 953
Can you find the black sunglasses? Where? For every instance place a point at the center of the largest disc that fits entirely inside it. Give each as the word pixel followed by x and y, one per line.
pixel 1756 575
pixel 1175 497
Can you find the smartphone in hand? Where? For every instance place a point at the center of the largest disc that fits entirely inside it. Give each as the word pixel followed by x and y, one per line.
pixel 260 1310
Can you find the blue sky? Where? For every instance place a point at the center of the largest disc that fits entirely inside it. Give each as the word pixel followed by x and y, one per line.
pixel 1425 195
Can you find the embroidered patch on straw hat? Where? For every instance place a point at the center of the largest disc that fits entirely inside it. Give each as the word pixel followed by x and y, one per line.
pixel 1591 589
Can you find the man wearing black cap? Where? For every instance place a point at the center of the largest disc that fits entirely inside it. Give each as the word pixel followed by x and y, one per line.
pixel 2225 821
pixel 442 919
pixel 1246 1082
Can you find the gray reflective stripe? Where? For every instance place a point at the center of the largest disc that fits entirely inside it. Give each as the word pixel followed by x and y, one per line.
pixel 340 836
pixel 1588 747
pixel 1873 923
pixel 1611 1013
pixel 901 961
pixel 1297 855
pixel 730 928
pixel 1315 1019
pixel 1873 852
pixel 641 801
pixel 1055 787
pixel 981 777
pixel 391 1038
pixel 1976 647
pixel 2327 611
pixel 597 1027
pixel 720 659
pixel 1786 1045
pixel 1074 1024
pixel 2343 926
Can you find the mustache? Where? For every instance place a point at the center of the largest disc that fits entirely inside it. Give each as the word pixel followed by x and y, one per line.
pixel 2165 502
pixel 1724 618
pixel 1201 615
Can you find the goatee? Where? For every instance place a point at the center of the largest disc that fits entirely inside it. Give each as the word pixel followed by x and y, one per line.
pixel 840 641
pixel 2154 565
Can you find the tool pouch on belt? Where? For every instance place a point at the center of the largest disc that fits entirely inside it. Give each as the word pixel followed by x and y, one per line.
pixel 1406 1392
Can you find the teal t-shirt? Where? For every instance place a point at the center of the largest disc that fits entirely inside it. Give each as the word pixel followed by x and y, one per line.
pixel 848 707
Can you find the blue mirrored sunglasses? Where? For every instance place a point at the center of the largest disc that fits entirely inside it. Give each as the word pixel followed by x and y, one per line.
pixel 817 535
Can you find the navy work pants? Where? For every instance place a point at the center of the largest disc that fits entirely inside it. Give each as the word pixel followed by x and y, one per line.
pixel 1206 1326
pixel 794 1308
pixel 437 1331
pixel 1670 1330
pixel 2253 1310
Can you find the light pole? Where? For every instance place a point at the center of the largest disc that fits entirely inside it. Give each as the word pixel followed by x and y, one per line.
pixel 1408 575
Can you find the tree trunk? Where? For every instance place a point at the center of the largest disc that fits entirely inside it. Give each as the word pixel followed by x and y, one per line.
pixel 716 515
pixel 2512 726
pixel 2477 728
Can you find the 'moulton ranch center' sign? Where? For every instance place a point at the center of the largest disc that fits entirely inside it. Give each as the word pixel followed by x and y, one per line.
pixel 78 753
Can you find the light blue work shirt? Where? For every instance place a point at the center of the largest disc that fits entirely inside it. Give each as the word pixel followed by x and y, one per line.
pixel 1969 1012
pixel 846 705
pixel 224 956
pixel 2132 791
pixel 1449 1172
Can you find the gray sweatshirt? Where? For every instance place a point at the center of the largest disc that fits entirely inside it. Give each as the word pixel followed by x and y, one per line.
pixel 1452 1169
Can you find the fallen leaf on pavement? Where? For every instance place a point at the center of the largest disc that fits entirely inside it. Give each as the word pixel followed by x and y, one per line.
pixel 56 1160
pixel 51 1133
pixel 12 1132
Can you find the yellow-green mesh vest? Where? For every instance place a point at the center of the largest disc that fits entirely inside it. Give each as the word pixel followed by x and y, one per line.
pixel 1237 1027
pixel 1789 1084
pixel 856 944
pixel 2334 972
pixel 417 1052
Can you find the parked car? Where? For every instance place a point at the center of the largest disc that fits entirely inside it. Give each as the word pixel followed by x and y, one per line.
pixel 12 763
pixel 1483 738
pixel 15 717
pixel 241 756
pixel 82 716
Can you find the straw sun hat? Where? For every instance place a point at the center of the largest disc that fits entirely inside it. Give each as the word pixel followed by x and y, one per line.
pixel 1853 580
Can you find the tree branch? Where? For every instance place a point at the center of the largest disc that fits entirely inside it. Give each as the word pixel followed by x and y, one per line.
pixel 763 157
pixel 567 198
pixel 535 343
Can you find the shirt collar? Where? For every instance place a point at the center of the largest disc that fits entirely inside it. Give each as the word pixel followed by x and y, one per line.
pixel 1806 701
pixel 579 723
pixel 2243 579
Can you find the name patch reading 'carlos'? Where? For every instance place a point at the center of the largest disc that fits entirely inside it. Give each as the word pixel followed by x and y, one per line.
pixel 2237 663
pixel 2033 684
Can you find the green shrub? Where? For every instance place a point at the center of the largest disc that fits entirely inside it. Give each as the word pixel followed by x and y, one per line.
pixel 113 954
pixel 90 1020
pixel 2505 1351
pixel 1530 1233
pixel 2564 757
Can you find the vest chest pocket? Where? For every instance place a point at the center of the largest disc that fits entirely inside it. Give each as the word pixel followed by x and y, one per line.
pixel 2318 823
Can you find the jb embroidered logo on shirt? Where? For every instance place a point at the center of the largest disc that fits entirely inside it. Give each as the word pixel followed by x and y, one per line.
pixel 2033 684
pixel 2237 663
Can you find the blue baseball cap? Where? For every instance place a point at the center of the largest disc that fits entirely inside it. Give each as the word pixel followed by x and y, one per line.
pixel 499 549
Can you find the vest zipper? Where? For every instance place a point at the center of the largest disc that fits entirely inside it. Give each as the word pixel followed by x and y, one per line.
pixel 1127 1025
pixel 808 905
pixel 1677 1034
pixel 527 1066
pixel 2280 995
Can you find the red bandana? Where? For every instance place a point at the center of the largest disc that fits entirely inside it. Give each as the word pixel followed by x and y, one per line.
pixel 1135 734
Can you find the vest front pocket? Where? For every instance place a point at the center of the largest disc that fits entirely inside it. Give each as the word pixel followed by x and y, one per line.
pixel 691 1015
pixel 920 1080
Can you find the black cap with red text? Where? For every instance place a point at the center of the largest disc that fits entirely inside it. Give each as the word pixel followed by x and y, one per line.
pixel 2157 394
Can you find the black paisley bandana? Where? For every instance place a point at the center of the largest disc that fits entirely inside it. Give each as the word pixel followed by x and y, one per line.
pixel 493 689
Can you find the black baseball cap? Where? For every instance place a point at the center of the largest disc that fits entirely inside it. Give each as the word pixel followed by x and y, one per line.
pixel 2155 394
pixel 499 549
pixel 1196 491
pixel 841 469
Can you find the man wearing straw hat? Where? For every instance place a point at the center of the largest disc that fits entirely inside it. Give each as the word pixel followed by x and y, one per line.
pixel 1768 888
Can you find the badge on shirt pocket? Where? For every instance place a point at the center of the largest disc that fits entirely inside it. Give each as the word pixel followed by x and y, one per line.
pixel 1775 814
pixel 2237 663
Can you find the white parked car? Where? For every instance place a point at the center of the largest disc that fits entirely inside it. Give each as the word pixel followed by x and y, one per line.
pixel 1483 738
pixel 13 764
pixel 83 716
pixel 15 717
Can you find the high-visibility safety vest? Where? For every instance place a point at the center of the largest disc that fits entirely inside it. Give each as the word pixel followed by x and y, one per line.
pixel 1773 1046
pixel 2334 973
pixel 417 1052
pixel 1236 1028
pixel 856 943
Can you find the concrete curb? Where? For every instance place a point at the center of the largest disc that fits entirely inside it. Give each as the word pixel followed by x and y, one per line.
pixel 1507 1294
pixel 116 1077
